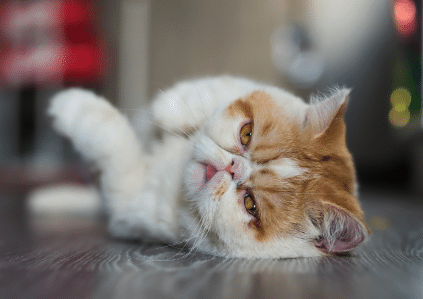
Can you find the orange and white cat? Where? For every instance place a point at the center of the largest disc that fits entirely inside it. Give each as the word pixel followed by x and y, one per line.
pixel 243 169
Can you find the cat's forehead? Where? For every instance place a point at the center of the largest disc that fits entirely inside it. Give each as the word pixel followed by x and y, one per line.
pixel 275 133
pixel 275 180
pixel 256 104
pixel 277 190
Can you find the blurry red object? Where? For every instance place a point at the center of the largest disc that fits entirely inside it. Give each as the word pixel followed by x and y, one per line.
pixel 405 17
pixel 53 64
pixel 50 42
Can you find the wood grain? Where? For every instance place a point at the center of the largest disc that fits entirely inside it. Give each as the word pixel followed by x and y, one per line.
pixel 72 257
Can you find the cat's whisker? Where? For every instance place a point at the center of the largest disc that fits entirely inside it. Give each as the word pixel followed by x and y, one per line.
pixel 189 110
pixel 197 227
pixel 196 230
pixel 202 237
pixel 198 233
pixel 202 104
pixel 199 238
pixel 137 110
pixel 186 107
pixel 169 131
pixel 206 228
pixel 155 115
pixel 166 245
pixel 185 241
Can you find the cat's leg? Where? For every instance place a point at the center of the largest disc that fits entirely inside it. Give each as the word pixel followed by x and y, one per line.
pixel 185 106
pixel 103 136
pixel 175 109
pixel 188 104
pixel 139 204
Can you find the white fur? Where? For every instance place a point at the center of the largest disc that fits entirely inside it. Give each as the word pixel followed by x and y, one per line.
pixel 158 196
pixel 288 168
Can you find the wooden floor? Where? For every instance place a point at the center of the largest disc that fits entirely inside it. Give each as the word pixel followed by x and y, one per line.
pixel 72 257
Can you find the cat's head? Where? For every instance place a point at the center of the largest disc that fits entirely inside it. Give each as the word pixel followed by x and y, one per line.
pixel 272 177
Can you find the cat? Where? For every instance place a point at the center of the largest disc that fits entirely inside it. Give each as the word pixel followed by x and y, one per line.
pixel 243 169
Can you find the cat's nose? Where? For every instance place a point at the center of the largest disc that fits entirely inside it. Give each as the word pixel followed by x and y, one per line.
pixel 236 169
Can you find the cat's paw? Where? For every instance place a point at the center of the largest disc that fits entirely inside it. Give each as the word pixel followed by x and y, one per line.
pixel 68 108
pixel 96 129
pixel 184 107
pixel 173 113
pixel 94 126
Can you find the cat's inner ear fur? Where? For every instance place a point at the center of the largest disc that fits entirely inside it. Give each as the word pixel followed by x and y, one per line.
pixel 339 230
pixel 326 117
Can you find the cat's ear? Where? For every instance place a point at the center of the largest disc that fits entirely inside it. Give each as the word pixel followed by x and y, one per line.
pixel 327 116
pixel 339 230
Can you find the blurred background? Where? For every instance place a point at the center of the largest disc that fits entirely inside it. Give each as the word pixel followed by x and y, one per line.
pixel 128 50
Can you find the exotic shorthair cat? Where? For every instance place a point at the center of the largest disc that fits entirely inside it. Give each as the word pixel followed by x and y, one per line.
pixel 243 169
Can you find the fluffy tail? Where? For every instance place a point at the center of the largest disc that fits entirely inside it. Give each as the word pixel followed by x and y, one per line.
pixel 103 136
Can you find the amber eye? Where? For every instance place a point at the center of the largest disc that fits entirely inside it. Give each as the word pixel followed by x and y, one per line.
pixel 245 134
pixel 250 204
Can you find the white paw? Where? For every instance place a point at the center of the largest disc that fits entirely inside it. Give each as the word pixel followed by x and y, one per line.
pixel 96 129
pixel 181 108
pixel 69 106
pixel 170 112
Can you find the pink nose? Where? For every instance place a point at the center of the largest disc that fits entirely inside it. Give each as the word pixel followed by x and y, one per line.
pixel 236 169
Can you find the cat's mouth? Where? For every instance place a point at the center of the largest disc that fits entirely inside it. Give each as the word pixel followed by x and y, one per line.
pixel 208 175
pixel 210 172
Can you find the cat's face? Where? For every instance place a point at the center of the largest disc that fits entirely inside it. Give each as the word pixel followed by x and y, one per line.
pixel 267 184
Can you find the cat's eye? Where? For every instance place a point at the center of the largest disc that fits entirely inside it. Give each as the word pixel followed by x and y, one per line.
pixel 245 134
pixel 250 204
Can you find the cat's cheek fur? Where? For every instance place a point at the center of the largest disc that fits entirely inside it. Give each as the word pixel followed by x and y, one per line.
pixel 238 237
pixel 232 223
pixel 240 242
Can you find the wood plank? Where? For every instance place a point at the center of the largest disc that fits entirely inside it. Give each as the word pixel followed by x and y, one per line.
pixel 72 257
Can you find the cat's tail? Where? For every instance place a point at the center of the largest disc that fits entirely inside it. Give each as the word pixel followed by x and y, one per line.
pixel 104 137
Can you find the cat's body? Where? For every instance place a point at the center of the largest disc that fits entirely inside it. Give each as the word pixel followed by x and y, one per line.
pixel 261 175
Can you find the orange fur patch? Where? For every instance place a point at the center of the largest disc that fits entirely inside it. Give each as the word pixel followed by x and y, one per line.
pixel 240 107
pixel 220 190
